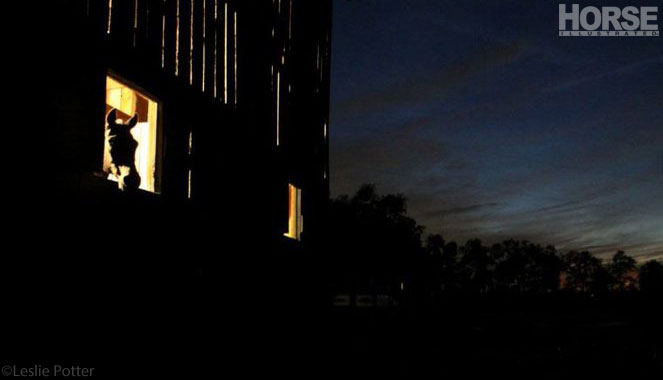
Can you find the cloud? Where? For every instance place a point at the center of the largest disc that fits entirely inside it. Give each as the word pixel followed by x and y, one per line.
pixel 419 87
pixel 384 158
pixel 459 210
pixel 544 140
pixel 602 75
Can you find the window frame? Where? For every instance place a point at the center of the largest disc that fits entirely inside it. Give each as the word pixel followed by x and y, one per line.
pixel 159 134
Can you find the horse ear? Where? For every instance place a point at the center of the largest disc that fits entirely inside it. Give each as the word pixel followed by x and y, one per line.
pixel 133 121
pixel 112 116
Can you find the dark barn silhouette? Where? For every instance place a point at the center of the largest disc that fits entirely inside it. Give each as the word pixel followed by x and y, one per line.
pixel 217 87
pixel 210 261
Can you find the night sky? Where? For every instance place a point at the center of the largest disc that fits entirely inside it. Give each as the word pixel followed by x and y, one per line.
pixel 494 127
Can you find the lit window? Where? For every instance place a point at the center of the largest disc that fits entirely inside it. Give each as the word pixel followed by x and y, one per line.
pixel 128 102
pixel 295 217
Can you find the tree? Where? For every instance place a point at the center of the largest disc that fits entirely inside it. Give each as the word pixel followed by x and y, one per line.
pixel 584 272
pixel 542 270
pixel 435 262
pixel 551 267
pixel 620 268
pixel 373 241
pixel 451 278
pixel 651 277
pixel 524 267
pixel 443 259
pixel 476 266
pixel 511 265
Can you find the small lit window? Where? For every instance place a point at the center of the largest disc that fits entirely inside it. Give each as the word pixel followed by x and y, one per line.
pixel 128 102
pixel 295 218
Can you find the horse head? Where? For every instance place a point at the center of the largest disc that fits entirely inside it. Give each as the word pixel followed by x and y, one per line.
pixel 123 151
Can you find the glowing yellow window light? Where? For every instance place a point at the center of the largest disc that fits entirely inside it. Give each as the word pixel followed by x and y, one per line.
pixel 295 217
pixel 127 101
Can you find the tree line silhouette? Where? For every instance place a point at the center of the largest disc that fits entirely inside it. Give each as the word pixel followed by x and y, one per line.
pixel 377 247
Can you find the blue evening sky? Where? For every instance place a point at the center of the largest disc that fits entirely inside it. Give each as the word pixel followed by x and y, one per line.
pixel 494 127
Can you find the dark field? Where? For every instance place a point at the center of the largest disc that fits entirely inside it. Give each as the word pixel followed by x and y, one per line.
pixel 543 339
pixel 189 332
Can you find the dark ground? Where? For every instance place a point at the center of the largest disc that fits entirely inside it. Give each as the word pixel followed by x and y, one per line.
pixel 267 322
pixel 547 338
